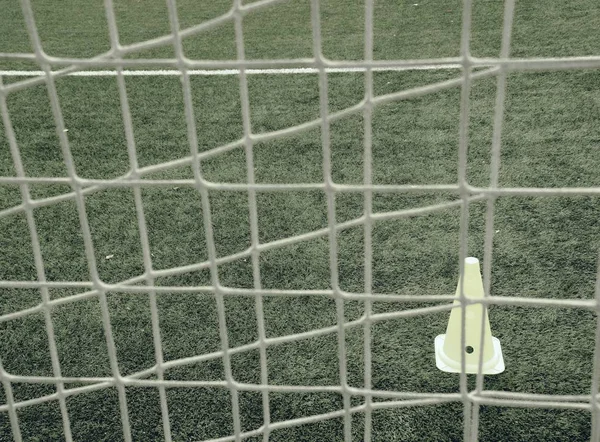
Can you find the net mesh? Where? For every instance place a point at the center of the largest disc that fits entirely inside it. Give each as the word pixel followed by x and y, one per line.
pixel 472 69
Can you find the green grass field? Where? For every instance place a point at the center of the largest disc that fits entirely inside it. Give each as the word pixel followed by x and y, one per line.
pixel 544 247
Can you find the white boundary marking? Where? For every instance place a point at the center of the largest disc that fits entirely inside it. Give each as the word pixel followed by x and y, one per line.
pixel 225 72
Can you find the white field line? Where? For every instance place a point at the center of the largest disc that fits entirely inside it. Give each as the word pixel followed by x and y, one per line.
pixel 224 72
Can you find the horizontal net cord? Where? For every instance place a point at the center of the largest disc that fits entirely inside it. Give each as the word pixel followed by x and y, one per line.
pixel 17 56
pixel 236 187
pixel 531 404
pixel 383 394
pixel 289 66
pixel 509 301
pixel 392 404
pixel 485 397
pixel 96 184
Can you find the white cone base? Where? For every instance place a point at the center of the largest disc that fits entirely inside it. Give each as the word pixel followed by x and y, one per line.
pixel 494 366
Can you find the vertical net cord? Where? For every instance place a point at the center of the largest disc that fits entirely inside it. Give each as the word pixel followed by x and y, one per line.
pixel 464 216
pixel 8 391
pixel 41 273
pixel 143 231
pixel 368 210
pixel 83 221
pixel 206 214
pixel 253 214
pixel 330 192
pixel 39 263
pixel 10 402
pixel 509 8
pixel 595 406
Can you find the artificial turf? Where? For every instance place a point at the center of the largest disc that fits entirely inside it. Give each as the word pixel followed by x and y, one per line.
pixel 544 247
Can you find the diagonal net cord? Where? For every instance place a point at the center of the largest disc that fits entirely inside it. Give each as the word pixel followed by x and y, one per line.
pixel 96 288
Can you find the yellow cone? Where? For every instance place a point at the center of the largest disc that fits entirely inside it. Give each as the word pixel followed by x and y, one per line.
pixel 448 349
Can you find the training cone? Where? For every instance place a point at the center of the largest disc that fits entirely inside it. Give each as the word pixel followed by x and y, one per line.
pixel 448 348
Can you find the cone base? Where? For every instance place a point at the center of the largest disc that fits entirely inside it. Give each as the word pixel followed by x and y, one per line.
pixel 444 363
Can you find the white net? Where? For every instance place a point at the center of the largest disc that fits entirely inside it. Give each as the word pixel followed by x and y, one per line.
pixel 115 63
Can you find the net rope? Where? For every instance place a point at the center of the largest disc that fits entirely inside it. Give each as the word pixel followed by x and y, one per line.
pixel 473 69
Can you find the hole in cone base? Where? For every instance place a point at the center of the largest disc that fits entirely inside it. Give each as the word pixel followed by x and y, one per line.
pixel 469 349
pixel 493 366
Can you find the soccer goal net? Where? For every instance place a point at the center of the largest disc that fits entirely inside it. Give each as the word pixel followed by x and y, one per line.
pixel 359 402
